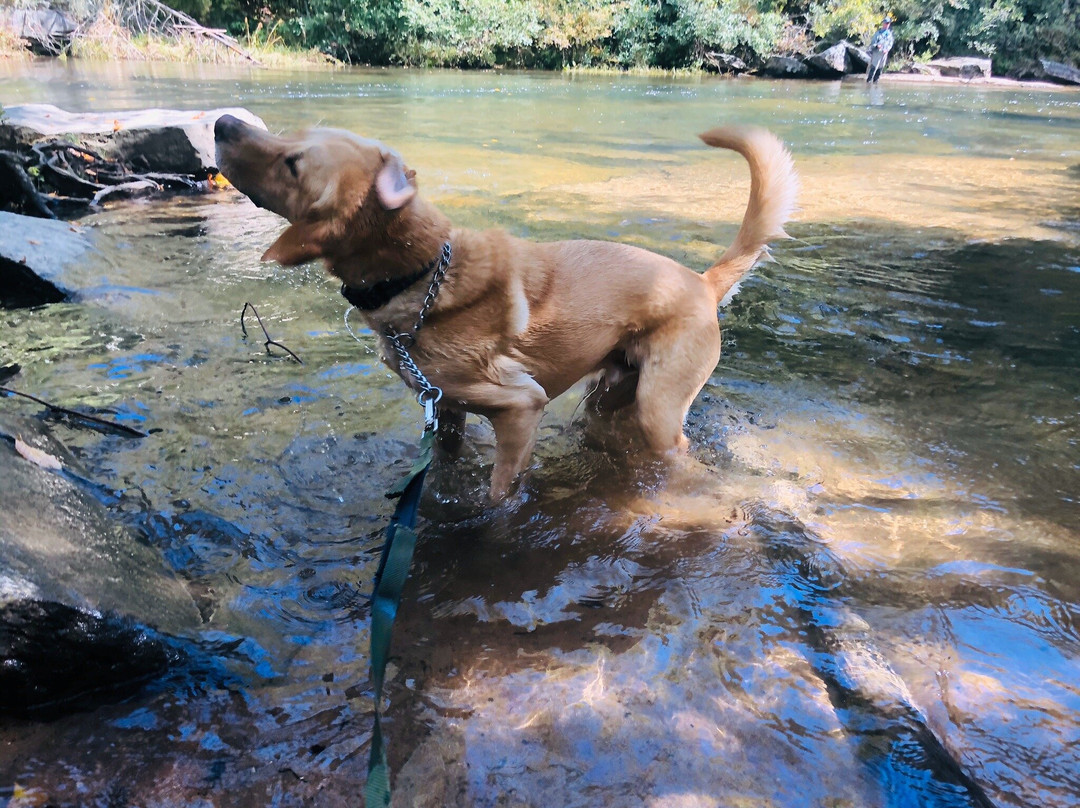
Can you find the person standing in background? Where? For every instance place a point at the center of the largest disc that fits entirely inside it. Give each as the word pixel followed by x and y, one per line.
pixel 880 46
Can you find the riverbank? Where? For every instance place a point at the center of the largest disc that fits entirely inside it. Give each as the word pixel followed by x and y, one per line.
pixel 106 41
pixel 271 54
pixel 890 78
pixel 993 81
pixel 318 63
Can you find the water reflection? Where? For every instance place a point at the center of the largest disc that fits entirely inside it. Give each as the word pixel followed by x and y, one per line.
pixel 863 581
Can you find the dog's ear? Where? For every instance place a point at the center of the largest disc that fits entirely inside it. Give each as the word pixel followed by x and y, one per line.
pixel 298 244
pixel 394 183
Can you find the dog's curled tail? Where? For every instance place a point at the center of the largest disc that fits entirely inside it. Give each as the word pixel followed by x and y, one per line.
pixel 774 186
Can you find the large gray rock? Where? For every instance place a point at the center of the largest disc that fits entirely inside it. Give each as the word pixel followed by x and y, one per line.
pixel 832 63
pixel 784 67
pixel 859 58
pixel 150 140
pixel 1066 74
pixel 34 254
pixel 58 544
pixel 78 592
pixel 963 67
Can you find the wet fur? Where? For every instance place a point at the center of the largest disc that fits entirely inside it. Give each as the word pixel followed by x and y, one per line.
pixel 516 322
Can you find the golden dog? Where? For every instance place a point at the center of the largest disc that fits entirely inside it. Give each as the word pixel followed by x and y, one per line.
pixel 515 323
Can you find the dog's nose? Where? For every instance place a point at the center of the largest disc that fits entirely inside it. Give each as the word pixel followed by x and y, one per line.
pixel 227 127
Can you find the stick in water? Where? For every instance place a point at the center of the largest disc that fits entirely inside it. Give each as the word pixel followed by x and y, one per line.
pixel 127 430
pixel 269 341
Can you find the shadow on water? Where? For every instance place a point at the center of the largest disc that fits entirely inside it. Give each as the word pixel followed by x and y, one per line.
pixel 974 348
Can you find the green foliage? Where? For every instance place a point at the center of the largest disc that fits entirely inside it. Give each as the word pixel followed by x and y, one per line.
pixel 854 19
pixel 637 33
pixel 642 33
pixel 728 26
pixel 678 33
pixel 470 33
pixel 199 9
pixel 1014 33
pixel 577 32
pixel 350 30
pixel 1017 31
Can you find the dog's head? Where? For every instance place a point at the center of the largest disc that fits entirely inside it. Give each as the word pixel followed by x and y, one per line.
pixel 335 188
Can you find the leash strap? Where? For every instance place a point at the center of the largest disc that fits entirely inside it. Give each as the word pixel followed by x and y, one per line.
pixel 393 569
pixel 400 542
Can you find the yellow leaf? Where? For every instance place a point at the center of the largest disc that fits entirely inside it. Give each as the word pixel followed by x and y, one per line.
pixel 27 797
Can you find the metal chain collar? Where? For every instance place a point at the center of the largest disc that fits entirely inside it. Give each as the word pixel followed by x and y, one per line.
pixel 427 394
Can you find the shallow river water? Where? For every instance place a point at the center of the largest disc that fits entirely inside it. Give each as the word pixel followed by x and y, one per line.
pixel 861 589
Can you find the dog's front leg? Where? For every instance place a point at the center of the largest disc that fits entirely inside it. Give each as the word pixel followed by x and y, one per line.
pixel 515 435
pixel 514 402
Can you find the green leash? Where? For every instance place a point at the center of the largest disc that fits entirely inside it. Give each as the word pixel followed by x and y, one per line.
pixel 400 543
pixel 389 580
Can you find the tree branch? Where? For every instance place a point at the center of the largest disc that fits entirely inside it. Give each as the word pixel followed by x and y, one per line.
pixel 127 430
pixel 269 341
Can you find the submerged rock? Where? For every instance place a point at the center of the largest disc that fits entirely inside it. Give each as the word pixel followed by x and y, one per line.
pixel 33 255
pixel 77 590
pixel 59 544
pixel 55 658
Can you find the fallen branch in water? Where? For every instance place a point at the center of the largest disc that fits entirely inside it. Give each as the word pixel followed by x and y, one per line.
pixel 19 188
pixel 55 175
pixel 269 341
pixel 82 416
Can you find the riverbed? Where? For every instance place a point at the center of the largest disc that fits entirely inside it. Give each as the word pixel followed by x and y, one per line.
pixel 862 588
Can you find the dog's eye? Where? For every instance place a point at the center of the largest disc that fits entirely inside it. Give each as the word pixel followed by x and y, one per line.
pixel 290 161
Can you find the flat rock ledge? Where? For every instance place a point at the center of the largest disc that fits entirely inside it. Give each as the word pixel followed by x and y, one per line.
pixel 149 140
pixel 79 592
pixel 55 163
pixel 960 67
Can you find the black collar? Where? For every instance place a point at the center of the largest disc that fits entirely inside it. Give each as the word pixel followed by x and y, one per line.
pixel 376 295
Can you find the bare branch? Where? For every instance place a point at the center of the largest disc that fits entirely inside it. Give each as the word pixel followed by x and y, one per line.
pixel 127 430
pixel 20 182
pixel 269 341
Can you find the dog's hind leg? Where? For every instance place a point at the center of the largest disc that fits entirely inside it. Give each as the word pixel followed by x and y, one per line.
pixel 674 366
